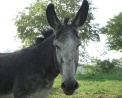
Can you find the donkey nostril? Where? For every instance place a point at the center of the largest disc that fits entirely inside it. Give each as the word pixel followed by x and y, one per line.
pixel 63 85
pixel 76 85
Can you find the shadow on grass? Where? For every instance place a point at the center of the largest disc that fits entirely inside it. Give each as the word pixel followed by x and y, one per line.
pixel 56 90
pixel 99 77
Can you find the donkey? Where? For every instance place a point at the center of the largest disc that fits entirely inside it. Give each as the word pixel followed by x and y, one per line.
pixel 31 71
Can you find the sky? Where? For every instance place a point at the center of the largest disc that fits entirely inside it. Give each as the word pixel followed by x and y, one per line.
pixel 10 8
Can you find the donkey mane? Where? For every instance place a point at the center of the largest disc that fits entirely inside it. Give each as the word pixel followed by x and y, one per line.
pixel 66 20
pixel 45 34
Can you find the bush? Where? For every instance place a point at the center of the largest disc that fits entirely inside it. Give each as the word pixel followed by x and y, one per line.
pixel 105 66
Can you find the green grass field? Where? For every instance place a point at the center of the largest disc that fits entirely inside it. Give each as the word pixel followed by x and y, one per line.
pixel 92 86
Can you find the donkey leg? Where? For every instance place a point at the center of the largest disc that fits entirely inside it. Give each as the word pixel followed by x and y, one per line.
pixel 7 96
pixel 19 95
pixel 19 91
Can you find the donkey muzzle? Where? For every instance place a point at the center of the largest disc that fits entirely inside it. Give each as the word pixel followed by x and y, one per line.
pixel 69 87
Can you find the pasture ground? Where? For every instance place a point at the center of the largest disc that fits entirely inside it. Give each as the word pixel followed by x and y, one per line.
pixel 92 86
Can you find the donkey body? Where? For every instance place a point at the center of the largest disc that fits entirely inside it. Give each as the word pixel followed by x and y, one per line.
pixel 22 72
pixel 33 70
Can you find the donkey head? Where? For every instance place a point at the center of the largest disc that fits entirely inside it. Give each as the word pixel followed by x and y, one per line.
pixel 66 43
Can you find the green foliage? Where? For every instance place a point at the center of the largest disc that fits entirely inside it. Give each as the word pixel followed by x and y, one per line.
pixel 113 30
pixel 105 66
pixel 88 69
pixel 118 65
pixel 98 66
pixel 32 19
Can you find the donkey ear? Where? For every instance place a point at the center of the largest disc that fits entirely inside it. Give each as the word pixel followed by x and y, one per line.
pixel 81 16
pixel 52 19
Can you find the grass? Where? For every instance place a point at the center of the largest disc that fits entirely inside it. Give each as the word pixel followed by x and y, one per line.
pixel 92 86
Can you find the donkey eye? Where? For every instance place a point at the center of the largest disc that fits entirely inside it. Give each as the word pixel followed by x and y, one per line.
pixel 58 47
pixel 78 46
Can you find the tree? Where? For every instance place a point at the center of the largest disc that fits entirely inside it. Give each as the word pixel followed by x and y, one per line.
pixel 113 30
pixel 32 20
pixel 105 66
pixel 118 65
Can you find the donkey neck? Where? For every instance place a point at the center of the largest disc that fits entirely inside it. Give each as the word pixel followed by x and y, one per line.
pixel 45 53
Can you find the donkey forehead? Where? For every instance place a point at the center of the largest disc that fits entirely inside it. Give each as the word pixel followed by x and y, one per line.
pixel 66 28
pixel 67 32
pixel 67 39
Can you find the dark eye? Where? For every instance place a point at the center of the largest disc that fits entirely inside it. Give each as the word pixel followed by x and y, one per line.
pixel 78 46
pixel 58 47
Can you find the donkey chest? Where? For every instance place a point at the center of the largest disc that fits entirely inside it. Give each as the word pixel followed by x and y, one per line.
pixel 38 94
pixel 42 92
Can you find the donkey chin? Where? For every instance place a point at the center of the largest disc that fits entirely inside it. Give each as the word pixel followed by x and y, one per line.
pixel 68 87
